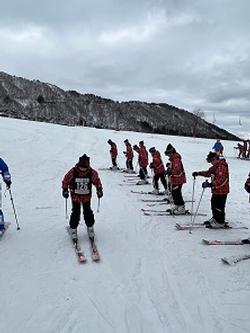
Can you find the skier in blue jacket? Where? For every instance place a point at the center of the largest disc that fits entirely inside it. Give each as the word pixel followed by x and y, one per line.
pixel 4 170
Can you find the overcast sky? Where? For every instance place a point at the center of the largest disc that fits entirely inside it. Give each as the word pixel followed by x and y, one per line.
pixel 193 54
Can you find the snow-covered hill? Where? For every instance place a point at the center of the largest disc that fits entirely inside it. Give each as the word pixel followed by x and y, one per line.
pixel 151 279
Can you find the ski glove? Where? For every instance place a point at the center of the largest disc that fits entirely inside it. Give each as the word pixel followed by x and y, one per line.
pixel 151 165
pixel 206 184
pixel 99 193
pixel 8 183
pixel 65 193
pixel 195 174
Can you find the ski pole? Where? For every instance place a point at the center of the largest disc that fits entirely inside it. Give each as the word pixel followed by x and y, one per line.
pixel 66 209
pixel 98 206
pixel 192 205
pixel 196 212
pixel 12 201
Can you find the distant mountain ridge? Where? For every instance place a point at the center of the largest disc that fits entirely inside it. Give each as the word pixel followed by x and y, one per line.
pixel 34 100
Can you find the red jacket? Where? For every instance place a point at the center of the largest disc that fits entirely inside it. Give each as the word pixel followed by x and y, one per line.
pixel 113 150
pixel 178 176
pixel 143 157
pixel 129 151
pixel 80 183
pixel 157 163
pixel 219 177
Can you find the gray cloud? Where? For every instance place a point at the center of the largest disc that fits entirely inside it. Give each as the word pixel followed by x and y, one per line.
pixel 190 53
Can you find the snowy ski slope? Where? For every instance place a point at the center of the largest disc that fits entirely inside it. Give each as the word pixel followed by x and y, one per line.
pixel 151 279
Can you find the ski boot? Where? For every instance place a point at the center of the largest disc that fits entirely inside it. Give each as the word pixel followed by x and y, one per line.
pixel 73 234
pixel 91 233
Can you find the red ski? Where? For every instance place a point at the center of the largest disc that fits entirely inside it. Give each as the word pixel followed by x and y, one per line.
pixel 79 253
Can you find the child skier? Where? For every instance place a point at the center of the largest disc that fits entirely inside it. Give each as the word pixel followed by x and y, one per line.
pixel 177 179
pixel 144 153
pixel 129 156
pixel 113 153
pixel 143 162
pixel 218 147
pixel 219 186
pixel 78 181
pixel 159 171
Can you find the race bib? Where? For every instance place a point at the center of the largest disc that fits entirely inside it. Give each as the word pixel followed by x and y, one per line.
pixel 82 186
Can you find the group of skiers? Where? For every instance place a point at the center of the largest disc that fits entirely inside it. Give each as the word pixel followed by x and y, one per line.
pixel 173 176
pixel 78 182
pixel 244 149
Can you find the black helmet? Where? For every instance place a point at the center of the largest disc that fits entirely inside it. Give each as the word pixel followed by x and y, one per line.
pixel 211 156
pixel 169 149
pixel 83 161
pixel 135 147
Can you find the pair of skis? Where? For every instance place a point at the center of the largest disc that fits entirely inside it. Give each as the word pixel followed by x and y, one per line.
pixel 231 260
pixel 168 212
pixel 149 192
pixel 79 252
pixel 189 226
pixel 133 184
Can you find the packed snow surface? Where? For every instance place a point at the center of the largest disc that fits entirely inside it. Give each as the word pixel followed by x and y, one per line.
pixel 151 278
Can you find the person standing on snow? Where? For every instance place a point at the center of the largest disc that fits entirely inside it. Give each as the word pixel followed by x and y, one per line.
pixel 78 181
pixel 113 153
pixel 143 162
pixel 129 156
pixel 144 153
pixel 159 171
pixel 247 188
pixel 177 179
pixel 218 147
pixel 219 186
pixel 4 170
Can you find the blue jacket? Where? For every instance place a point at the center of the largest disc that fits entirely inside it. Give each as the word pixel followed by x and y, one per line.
pixel 4 170
pixel 218 146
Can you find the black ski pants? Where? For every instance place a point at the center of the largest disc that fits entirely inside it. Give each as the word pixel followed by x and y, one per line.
pixel 129 164
pixel 114 161
pixel 76 214
pixel 218 203
pixel 156 178
pixel 143 173
pixel 177 195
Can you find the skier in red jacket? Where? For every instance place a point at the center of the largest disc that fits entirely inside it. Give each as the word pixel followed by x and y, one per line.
pixel 129 156
pixel 143 163
pixel 177 179
pixel 159 171
pixel 78 181
pixel 220 188
pixel 144 153
pixel 113 153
